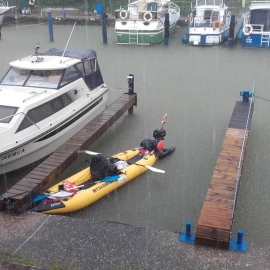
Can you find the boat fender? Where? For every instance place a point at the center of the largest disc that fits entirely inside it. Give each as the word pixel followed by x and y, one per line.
pixel 147 16
pixel 247 30
pixel 123 14
pixel 31 2
pixel 216 24
pixel 160 146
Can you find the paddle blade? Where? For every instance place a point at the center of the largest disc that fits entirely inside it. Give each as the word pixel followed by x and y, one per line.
pixel 154 169
pixel 91 153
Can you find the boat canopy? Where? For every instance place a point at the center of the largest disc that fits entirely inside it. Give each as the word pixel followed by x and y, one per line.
pixel 81 54
pixel 260 17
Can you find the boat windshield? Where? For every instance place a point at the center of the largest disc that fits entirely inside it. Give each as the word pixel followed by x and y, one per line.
pixel 6 113
pixel 33 78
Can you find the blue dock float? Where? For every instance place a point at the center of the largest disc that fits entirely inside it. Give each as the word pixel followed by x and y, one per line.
pixel 187 236
pixel 238 244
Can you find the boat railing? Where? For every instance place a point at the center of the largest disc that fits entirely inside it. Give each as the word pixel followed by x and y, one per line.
pixel 146 13
pixel 259 28
pixel 246 18
pixel 34 95
pixel 2 120
pixel 259 3
pixel 209 2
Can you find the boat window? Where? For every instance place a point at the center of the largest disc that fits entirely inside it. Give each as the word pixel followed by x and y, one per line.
pixel 45 78
pixel 93 76
pixel 15 76
pixel 260 17
pixel 81 69
pixel 71 74
pixel 152 6
pixel 215 16
pixel 7 113
pixel 43 111
pixel 207 15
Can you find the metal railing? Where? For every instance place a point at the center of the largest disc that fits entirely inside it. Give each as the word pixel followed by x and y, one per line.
pixel 241 160
pixel 11 116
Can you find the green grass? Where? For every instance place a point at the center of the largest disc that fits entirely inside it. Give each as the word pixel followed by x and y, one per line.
pixel 13 258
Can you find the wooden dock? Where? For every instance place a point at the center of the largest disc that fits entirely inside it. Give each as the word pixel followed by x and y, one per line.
pixel 45 173
pixel 215 221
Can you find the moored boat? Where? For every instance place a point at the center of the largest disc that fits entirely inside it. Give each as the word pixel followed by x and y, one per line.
pixel 209 23
pixel 146 22
pixel 45 99
pixel 4 9
pixel 255 28
pixel 104 175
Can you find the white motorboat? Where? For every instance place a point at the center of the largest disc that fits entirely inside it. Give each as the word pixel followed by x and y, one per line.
pixel 45 99
pixel 146 22
pixel 255 28
pixel 209 23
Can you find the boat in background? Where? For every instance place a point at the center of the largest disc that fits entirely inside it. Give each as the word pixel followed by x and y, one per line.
pixel 209 23
pixel 255 28
pixel 3 10
pixel 45 99
pixel 146 22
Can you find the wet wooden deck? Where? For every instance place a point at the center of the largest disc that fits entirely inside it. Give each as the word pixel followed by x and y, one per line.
pixel 216 217
pixel 46 172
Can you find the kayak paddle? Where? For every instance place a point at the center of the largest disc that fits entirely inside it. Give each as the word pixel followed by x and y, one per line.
pixel 146 166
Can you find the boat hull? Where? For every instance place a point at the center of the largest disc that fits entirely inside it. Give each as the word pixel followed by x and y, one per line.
pixel 256 40
pixel 143 37
pixel 206 37
pixel 43 146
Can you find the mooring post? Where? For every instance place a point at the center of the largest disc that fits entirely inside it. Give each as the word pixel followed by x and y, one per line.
pixel 238 244
pixel 187 236
pixel 130 79
pixel 239 237
pixel 166 29
pixel 231 30
pixel 246 95
pixel 104 27
pixel 49 15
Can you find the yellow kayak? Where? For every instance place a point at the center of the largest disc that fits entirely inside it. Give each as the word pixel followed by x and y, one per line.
pixel 104 175
pixel 58 202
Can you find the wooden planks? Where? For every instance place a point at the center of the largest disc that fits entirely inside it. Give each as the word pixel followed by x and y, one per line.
pixel 215 221
pixel 45 173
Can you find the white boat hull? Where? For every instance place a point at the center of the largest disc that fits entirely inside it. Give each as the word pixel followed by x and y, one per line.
pixel 36 150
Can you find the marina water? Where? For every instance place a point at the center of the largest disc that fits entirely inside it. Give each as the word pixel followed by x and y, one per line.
pixel 198 88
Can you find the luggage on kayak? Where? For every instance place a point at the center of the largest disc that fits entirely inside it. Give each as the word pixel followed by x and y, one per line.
pixel 101 167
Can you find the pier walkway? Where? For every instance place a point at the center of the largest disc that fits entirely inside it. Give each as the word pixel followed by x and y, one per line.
pixel 215 221
pixel 45 173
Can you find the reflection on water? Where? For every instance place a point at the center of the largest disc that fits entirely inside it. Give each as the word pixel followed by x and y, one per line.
pixel 198 88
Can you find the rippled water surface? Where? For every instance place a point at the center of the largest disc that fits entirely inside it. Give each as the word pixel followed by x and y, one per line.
pixel 198 88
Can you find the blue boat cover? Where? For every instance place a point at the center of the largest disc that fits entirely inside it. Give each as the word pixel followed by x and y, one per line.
pixel 81 54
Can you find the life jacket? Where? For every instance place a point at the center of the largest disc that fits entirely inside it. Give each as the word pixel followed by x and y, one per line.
pixel 149 144
pixel 101 167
